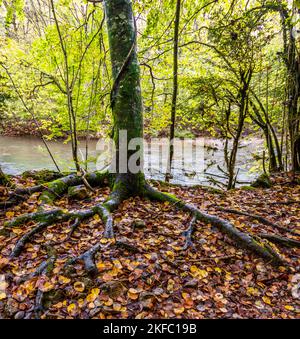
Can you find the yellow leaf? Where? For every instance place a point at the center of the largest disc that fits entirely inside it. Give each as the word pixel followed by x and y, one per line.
pixel 80 302
pixel 47 286
pixel 93 295
pixel 179 310
pixel 63 280
pixel 101 266
pixel 253 291
pixel 194 269
pixel 289 307
pixel 9 214
pixel 117 306
pixel 109 302
pixel 79 286
pixel 197 273
pixel 266 300
pixel 185 296
pixel 17 231
pixel 2 295
pixel 170 254
pixel 72 309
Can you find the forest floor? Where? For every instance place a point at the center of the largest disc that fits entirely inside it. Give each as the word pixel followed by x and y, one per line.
pixel 212 279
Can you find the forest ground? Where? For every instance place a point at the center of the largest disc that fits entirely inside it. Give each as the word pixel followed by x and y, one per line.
pixel 155 277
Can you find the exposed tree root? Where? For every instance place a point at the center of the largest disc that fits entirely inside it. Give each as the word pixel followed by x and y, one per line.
pixel 47 218
pixel 88 256
pixel 104 211
pixel 241 238
pixel 55 189
pixel 44 220
pixel 189 232
pixel 280 240
pixel 289 202
pixel 258 218
pixel 45 268
pixel 88 259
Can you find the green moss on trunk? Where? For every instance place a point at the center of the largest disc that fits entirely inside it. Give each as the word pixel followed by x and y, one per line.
pixel 126 100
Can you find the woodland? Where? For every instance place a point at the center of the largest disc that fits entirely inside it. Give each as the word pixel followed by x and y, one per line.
pixel 79 242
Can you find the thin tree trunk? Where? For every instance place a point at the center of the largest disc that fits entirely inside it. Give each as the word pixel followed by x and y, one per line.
pixel 244 93
pixel 175 90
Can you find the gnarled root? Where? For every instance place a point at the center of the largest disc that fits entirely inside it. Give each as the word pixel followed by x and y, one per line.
pixel 104 211
pixel 56 188
pixel 189 232
pixel 241 238
pixel 48 218
pixel 88 260
pixel 45 268
pixel 258 218
pixel 44 220
pixel 283 241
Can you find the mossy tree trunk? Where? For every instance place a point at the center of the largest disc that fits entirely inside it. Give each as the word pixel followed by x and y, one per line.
pixel 126 100
pixel 292 63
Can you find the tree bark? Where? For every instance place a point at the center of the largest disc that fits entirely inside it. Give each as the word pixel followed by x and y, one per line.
pixel 175 90
pixel 243 97
pixel 292 62
pixel 126 100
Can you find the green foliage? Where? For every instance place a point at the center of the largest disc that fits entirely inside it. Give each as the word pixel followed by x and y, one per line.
pixel 218 41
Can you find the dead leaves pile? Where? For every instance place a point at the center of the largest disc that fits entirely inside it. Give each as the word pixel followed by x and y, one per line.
pixel 213 279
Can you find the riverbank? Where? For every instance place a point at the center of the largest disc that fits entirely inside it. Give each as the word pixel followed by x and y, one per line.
pixel 19 154
pixel 212 279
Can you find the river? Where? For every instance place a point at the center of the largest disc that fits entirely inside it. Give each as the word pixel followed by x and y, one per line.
pixel 18 154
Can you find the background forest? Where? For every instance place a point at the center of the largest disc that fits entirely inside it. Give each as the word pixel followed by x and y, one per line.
pixel 227 69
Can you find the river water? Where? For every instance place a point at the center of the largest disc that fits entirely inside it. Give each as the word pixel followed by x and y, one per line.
pixel 18 154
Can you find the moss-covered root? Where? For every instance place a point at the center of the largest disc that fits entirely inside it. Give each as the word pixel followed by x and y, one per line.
pixel 283 241
pixel 104 211
pixel 40 217
pixel 258 218
pixel 44 219
pixel 56 188
pixel 45 266
pixel 242 239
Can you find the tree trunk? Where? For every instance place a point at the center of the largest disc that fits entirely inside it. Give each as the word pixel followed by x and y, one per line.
pixel 175 90
pixel 126 98
pixel 292 62
pixel 243 109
